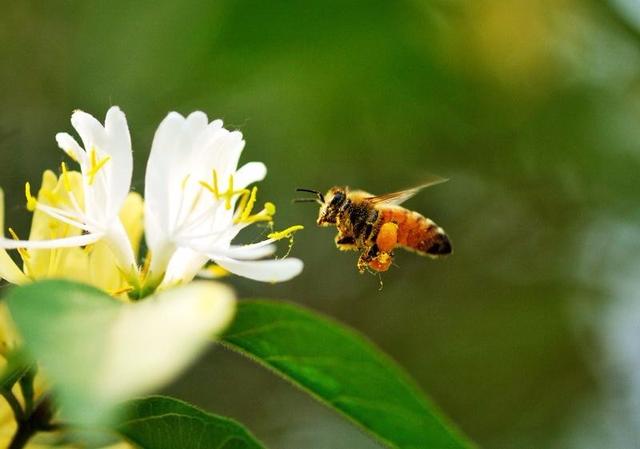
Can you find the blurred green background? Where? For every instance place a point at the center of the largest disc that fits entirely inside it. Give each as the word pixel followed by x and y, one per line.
pixel 528 335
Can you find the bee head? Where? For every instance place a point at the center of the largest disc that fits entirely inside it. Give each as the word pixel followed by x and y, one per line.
pixel 330 207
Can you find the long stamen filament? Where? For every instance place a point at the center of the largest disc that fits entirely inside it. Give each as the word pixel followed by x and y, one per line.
pixel 96 165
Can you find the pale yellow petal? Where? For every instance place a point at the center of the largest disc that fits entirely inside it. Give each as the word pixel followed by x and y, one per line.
pixel 132 220
pixel 103 272
pixel 45 263
pixel 9 270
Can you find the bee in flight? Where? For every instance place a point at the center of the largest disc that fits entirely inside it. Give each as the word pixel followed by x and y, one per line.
pixel 376 225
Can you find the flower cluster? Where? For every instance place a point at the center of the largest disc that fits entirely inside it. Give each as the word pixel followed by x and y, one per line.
pixel 87 225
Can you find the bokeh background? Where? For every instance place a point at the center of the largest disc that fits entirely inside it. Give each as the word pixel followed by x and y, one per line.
pixel 529 335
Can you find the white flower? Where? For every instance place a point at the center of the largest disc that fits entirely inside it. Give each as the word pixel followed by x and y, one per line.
pixel 106 165
pixel 197 201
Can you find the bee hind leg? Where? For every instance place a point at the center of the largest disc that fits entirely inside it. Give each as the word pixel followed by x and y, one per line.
pixel 374 259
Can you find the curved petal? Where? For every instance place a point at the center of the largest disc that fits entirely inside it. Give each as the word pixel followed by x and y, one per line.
pixel 70 146
pixel 263 270
pixel 168 149
pixel 249 173
pixel 67 242
pixel 243 252
pixel 151 341
pixel 118 146
pixel 89 128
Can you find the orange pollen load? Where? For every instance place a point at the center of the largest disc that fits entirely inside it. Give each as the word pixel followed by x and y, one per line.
pixel 381 263
pixel 387 237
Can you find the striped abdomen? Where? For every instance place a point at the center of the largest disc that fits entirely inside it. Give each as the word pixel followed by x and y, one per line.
pixel 416 232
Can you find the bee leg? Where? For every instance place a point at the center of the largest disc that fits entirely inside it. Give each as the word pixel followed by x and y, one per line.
pixel 366 257
pixel 345 242
pixel 381 262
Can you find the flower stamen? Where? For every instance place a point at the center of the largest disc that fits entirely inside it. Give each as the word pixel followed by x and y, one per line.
pixel 285 233
pixel 32 202
pixel 65 177
pixel 96 165
pixel 23 253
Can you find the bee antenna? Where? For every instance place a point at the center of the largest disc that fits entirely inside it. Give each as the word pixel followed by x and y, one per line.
pixel 306 200
pixel 315 192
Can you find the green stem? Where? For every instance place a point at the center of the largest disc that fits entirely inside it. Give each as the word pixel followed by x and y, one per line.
pixel 14 404
pixel 26 385
pixel 39 420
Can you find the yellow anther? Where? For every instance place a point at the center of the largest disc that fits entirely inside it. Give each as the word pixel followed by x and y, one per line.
pixel 24 254
pixel 65 177
pixel 31 201
pixel 96 165
pixel 270 208
pixel 285 233
pixel 246 212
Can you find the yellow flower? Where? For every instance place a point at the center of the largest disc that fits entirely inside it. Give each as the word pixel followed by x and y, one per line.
pixel 94 264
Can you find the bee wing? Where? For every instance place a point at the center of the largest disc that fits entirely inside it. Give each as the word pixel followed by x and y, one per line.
pixel 397 198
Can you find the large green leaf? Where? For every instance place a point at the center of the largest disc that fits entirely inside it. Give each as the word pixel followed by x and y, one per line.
pixel 98 351
pixel 343 370
pixel 159 422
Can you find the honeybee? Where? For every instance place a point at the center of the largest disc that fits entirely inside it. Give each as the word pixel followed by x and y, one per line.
pixel 376 225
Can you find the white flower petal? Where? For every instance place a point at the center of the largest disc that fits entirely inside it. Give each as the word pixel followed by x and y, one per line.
pixel 263 270
pixel 90 130
pixel 251 252
pixel 197 122
pixel 118 146
pixel 67 242
pixel 183 266
pixel 169 150
pixel 151 341
pixel 250 173
pixel 69 145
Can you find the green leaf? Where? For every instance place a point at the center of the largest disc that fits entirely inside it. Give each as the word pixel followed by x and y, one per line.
pixel 98 351
pixel 159 422
pixel 343 370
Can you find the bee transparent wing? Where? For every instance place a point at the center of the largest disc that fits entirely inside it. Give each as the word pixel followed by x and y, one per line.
pixel 397 198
